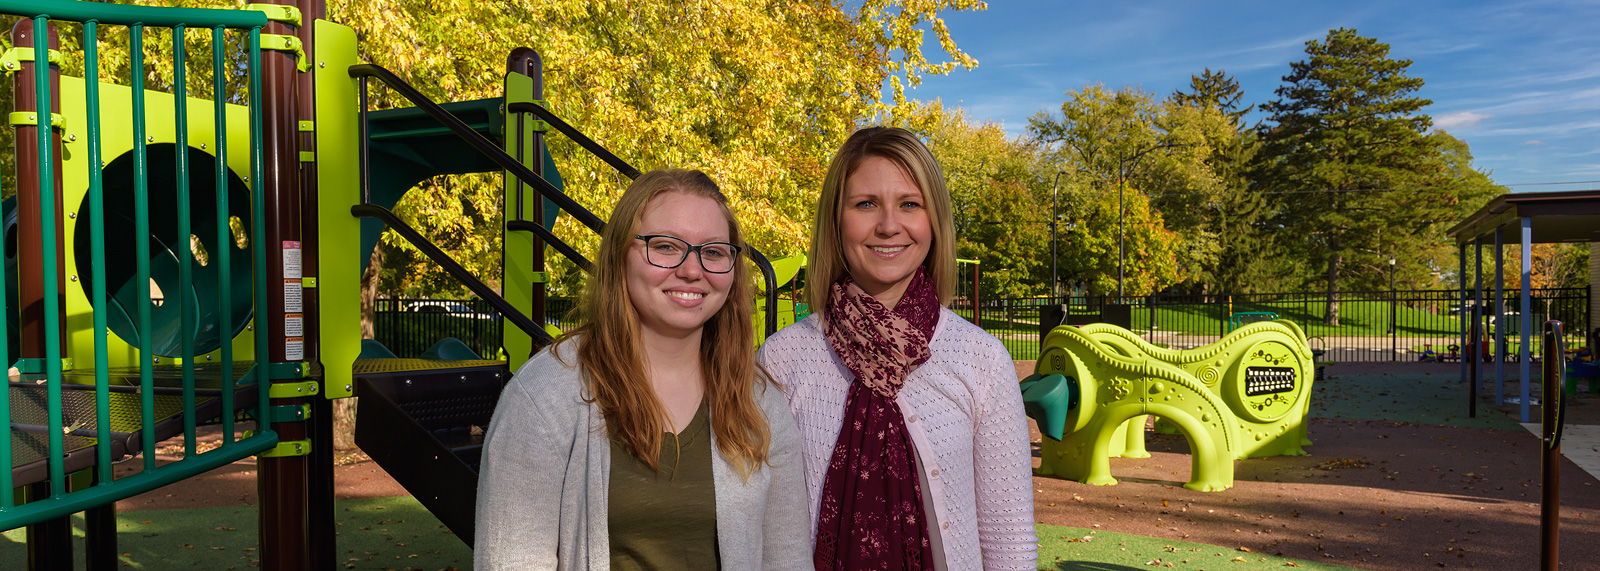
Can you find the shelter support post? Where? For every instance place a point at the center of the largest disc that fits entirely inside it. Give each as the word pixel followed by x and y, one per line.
pixel 1499 317
pixel 1527 316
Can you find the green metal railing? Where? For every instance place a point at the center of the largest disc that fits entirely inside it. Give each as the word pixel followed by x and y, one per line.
pixel 106 488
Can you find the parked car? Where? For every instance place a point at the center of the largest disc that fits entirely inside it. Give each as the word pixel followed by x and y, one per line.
pixel 451 307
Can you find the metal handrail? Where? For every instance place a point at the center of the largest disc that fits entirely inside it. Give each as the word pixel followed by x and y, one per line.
pixel 483 145
pixel 554 242
pixel 577 137
pixel 479 142
pixel 454 268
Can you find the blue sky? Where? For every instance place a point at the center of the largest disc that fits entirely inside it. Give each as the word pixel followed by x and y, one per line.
pixel 1519 81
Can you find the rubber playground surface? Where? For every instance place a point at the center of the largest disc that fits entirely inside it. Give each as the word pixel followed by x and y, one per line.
pixel 1398 478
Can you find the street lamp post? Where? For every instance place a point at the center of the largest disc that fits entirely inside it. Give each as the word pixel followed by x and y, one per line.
pixel 1122 210
pixel 1392 298
pixel 1055 287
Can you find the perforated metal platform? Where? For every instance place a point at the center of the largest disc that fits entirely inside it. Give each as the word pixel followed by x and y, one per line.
pixel 29 401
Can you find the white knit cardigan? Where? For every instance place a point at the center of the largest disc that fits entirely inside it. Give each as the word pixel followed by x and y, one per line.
pixel 964 414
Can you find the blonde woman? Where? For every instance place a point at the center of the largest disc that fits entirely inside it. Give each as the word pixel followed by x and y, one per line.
pixel 648 438
pixel 914 441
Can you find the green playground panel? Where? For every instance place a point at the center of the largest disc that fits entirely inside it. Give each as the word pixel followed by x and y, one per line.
pixel 1244 396
pixel 165 245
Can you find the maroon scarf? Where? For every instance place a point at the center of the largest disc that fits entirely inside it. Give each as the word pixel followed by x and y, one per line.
pixel 871 513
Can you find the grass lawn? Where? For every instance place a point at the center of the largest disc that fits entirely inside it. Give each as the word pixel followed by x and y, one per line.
pixel 1356 319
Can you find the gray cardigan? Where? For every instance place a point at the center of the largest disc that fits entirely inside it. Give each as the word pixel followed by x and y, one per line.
pixel 542 488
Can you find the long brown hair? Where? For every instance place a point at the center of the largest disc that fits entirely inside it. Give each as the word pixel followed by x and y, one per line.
pixel 611 354
pixel 826 261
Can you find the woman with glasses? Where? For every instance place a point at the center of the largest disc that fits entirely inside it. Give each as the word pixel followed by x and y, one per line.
pixel 915 447
pixel 648 438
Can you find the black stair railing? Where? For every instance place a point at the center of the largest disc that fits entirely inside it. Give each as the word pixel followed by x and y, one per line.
pixel 526 175
pixel 454 268
pixel 554 242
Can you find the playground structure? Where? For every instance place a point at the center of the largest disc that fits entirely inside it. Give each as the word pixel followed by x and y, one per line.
pixel 1245 396
pixel 183 260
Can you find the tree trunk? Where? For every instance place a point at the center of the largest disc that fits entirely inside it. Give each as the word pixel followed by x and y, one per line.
pixel 369 291
pixel 1334 262
pixel 344 410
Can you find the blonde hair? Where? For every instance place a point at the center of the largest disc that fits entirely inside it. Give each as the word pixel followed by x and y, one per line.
pixel 611 354
pixel 827 263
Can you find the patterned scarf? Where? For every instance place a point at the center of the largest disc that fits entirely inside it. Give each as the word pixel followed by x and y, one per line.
pixel 871 515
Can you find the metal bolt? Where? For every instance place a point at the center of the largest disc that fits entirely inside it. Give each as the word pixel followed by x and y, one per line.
pixel 463 377
pixel 300 389
pixel 348 388
pixel 202 145
pixel 73 278
pixel 150 138
pixel 322 64
pixel 72 215
pixel 250 328
pixel 208 357
pixel 157 359
pixel 408 382
pixel 71 137
pixel 34 118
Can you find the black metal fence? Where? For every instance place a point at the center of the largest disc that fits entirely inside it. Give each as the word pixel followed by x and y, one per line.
pixel 1372 325
pixel 408 327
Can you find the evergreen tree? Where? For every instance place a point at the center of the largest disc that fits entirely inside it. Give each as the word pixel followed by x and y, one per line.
pixel 1216 90
pixel 1232 214
pixel 1346 158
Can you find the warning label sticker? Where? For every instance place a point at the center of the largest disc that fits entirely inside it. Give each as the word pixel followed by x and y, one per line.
pixel 291 259
pixel 292 297
pixel 294 325
pixel 294 349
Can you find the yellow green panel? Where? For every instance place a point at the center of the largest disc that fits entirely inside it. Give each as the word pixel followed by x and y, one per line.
pixel 116 102
pixel 518 254
pixel 338 188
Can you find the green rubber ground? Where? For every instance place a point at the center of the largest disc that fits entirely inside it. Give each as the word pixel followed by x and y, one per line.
pixel 398 534
pixel 1075 549
pixel 1403 397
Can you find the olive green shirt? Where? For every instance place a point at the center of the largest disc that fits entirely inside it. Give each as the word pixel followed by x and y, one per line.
pixel 667 518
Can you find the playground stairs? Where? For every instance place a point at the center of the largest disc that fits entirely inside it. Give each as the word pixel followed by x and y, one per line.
pixel 423 421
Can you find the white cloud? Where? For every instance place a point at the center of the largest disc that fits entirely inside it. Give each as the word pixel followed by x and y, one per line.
pixel 1533 142
pixel 1459 119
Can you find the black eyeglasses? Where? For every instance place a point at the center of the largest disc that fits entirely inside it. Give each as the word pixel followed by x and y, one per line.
pixel 670 251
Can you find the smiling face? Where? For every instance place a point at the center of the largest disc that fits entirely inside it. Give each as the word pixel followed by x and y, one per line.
pixel 675 303
pixel 884 228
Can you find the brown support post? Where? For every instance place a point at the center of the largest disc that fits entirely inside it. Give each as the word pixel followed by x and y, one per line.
pixel 323 546
pixel 282 483
pixel 526 62
pixel 1551 411
pixel 49 542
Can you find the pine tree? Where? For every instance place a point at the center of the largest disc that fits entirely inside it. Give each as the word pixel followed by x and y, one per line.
pixel 1344 152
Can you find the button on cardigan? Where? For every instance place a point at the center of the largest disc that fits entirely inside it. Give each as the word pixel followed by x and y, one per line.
pixel 964 414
